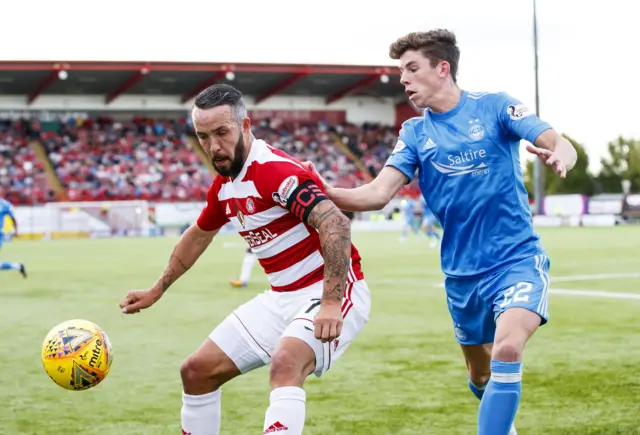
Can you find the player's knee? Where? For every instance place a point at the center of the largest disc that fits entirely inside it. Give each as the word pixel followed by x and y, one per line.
pixel 197 372
pixel 507 351
pixel 286 369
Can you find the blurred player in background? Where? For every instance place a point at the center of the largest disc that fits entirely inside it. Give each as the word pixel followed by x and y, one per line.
pixel 408 210
pixel 466 150
pixel 428 223
pixel 302 241
pixel 6 212
pixel 248 262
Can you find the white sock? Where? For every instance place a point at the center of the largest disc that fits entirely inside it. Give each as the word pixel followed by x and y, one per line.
pixel 200 415
pixel 286 412
pixel 247 266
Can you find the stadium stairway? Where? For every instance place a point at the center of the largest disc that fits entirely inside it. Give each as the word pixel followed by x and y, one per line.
pixel 52 176
pixel 345 149
pixel 202 154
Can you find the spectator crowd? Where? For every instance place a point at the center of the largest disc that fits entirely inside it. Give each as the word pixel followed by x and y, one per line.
pixel 151 159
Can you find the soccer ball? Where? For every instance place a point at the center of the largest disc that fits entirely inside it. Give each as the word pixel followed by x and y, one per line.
pixel 77 354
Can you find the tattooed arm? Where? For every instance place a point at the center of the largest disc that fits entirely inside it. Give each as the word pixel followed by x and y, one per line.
pixel 335 240
pixel 185 253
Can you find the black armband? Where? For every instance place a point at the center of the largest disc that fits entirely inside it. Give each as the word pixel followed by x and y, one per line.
pixel 304 198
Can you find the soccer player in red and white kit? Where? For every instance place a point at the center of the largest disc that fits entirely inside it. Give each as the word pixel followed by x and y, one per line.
pixel 318 301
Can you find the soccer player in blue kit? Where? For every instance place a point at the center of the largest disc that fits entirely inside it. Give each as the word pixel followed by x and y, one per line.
pixel 408 207
pixel 428 223
pixel 465 149
pixel 6 210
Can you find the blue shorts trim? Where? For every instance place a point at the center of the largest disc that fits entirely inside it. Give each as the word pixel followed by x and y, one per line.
pixel 475 303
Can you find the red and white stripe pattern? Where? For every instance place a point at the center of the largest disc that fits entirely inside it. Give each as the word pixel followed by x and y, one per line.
pixel 347 304
pixel 288 249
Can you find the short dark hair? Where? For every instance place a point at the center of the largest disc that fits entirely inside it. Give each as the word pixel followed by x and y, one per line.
pixel 222 95
pixel 436 45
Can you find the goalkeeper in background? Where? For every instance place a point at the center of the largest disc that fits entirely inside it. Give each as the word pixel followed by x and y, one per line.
pixel 6 210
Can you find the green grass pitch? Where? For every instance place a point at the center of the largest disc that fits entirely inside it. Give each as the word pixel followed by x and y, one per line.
pixel 404 375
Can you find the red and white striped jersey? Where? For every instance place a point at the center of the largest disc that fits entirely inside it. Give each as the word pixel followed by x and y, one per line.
pixel 256 202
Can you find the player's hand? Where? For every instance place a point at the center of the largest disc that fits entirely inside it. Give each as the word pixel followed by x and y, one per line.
pixel 328 321
pixel 550 159
pixel 137 300
pixel 311 167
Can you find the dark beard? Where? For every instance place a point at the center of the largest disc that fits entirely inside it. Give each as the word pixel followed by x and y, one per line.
pixel 236 164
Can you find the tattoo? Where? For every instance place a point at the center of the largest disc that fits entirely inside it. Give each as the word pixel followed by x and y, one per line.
pixel 335 240
pixel 172 272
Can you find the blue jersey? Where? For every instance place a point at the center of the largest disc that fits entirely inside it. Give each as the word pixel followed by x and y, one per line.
pixel 468 163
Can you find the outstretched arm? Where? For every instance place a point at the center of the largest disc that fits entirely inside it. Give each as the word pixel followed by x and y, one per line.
pixel 190 247
pixel 371 196
pixel 555 152
pixel 185 253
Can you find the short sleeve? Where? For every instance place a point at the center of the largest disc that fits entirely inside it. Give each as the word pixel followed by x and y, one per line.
pixel 291 186
pixel 404 156
pixel 518 119
pixel 211 217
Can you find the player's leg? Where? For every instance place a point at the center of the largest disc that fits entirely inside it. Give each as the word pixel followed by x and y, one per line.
pixel 474 329
pixel 293 360
pixel 243 342
pixel 415 227
pixel 247 267
pixel 203 373
pixel 478 360
pixel 299 354
pixel 405 229
pixel 520 306
pixel 9 265
pixel 433 230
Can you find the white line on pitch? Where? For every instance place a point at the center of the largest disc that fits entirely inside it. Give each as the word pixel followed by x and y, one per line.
pixel 594 277
pixel 594 293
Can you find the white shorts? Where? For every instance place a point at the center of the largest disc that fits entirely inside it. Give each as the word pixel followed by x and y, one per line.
pixel 250 334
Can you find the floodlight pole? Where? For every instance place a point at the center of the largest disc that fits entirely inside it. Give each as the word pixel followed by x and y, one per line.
pixel 538 181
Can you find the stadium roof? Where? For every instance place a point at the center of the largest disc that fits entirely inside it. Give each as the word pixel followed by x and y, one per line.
pixel 113 79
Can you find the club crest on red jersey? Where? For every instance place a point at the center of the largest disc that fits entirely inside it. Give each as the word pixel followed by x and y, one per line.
pixel 250 205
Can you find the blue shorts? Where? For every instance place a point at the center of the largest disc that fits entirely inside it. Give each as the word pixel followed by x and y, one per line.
pixel 475 303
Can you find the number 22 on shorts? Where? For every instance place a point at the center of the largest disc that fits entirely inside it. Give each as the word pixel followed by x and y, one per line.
pixel 519 292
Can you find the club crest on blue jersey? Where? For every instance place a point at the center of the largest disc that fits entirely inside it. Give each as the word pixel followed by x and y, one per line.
pixel 476 130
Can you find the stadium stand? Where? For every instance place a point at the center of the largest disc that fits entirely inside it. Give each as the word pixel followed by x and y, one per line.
pixel 98 159
pixel 147 150
pixel 22 176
